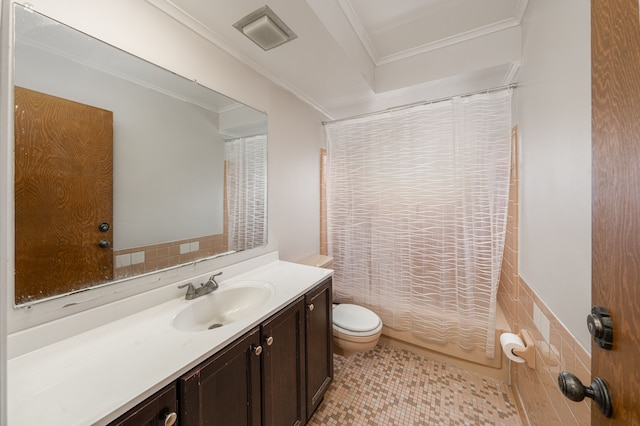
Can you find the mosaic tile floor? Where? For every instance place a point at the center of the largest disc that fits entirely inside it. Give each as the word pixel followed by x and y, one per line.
pixel 394 387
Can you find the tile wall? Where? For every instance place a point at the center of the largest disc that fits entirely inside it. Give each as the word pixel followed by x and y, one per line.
pixel 508 288
pixel 324 249
pixel 138 260
pixel 536 390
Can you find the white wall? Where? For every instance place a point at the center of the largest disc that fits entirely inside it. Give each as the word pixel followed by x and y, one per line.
pixel 554 118
pixel 166 152
pixel 294 173
pixel 295 136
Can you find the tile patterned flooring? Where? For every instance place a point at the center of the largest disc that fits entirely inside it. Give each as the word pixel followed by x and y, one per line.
pixel 390 386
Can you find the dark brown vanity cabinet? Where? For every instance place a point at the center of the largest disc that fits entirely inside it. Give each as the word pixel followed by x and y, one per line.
pixel 319 339
pixel 283 368
pixel 158 410
pixel 257 380
pixel 274 375
pixel 226 389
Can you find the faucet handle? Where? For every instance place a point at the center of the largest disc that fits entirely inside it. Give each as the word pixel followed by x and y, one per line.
pixel 212 280
pixel 191 290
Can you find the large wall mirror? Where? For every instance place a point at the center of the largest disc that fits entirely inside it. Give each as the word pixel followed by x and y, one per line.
pixel 123 168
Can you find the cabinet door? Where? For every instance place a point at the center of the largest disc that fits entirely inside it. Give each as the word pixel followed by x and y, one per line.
pixel 319 337
pixel 283 367
pixel 155 411
pixel 225 390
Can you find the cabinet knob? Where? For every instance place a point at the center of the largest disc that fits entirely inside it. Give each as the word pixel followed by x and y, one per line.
pixel 257 350
pixel 269 340
pixel 311 307
pixel 170 420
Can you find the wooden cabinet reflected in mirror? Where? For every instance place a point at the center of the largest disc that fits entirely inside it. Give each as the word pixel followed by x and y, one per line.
pixel 186 166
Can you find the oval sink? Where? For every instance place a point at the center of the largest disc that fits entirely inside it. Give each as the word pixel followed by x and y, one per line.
pixel 224 306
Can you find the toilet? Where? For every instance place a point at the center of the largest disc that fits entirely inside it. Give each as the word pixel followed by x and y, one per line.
pixel 355 328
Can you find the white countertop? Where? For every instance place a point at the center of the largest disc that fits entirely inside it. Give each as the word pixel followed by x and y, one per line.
pixel 94 376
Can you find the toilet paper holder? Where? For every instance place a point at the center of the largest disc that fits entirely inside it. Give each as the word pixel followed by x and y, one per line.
pixel 528 353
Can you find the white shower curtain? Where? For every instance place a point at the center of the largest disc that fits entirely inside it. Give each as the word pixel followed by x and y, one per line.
pixel 246 183
pixel 417 208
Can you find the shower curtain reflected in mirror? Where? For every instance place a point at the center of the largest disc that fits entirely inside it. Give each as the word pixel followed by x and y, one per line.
pixel 417 209
pixel 246 191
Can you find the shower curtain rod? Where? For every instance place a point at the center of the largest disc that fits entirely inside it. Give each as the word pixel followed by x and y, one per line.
pixel 399 108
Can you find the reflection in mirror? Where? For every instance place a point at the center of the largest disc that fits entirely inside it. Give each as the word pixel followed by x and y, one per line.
pixel 123 168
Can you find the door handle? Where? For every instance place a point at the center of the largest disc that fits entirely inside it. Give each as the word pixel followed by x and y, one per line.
pixel 104 244
pixel 601 327
pixel 572 388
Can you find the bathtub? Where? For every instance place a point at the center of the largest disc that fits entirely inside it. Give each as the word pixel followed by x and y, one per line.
pixel 497 368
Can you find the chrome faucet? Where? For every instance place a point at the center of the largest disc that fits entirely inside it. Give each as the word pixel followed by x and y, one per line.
pixel 206 288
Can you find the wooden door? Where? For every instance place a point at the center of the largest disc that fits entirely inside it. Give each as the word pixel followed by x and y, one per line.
pixel 615 41
pixel 63 192
pixel 319 338
pixel 283 378
pixel 225 390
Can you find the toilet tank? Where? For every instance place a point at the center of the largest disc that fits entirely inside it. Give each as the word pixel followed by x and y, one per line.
pixel 318 260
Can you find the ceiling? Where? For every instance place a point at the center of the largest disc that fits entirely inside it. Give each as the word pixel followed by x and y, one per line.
pixel 358 56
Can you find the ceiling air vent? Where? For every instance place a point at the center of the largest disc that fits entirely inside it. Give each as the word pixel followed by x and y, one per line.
pixel 265 28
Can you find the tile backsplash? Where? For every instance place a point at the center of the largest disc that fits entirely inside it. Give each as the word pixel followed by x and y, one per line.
pixel 138 260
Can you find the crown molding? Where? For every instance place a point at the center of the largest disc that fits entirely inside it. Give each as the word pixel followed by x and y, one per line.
pixel 449 41
pixel 377 60
pixel 357 26
pixel 521 8
pixel 182 17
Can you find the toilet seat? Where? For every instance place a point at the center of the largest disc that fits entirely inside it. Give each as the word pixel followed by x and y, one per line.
pixel 355 320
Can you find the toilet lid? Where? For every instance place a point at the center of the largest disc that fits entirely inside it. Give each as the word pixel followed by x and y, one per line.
pixel 354 317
